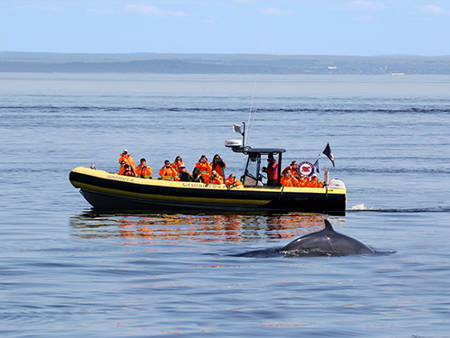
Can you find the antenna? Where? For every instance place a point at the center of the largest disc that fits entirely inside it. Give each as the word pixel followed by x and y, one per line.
pixel 251 109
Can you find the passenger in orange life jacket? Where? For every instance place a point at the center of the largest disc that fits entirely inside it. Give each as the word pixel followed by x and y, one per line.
pixel 167 173
pixel 314 182
pixel 204 168
pixel 177 163
pixel 289 180
pixel 215 178
pixel 291 169
pixel 311 182
pixel 127 170
pixel 231 181
pixel 126 157
pixel 218 165
pixel 143 170
pixel 303 181
pixel 286 180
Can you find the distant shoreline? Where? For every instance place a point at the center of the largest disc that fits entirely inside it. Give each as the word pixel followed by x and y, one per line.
pixel 222 64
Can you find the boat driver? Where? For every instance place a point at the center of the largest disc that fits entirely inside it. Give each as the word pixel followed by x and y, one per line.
pixel 271 170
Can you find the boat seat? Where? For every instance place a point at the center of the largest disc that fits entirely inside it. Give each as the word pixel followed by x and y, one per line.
pixel 250 181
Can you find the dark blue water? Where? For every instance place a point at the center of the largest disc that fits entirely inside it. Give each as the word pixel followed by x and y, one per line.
pixel 68 271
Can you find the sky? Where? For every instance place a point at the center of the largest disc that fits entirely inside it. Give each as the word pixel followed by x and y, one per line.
pixel 343 27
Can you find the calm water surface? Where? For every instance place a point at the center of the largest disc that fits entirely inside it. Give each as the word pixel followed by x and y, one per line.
pixel 67 270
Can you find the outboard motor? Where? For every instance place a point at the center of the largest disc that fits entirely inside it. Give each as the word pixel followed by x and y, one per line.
pixel 336 184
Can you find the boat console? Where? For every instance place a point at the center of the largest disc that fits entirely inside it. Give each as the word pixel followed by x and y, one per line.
pixel 253 172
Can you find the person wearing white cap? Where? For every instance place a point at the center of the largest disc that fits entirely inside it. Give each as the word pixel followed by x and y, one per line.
pixel 126 158
pixel 184 174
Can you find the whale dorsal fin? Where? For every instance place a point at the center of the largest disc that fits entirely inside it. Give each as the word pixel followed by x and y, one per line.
pixel 328 225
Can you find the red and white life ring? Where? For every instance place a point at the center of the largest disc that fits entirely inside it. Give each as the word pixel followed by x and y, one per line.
pixel 306 169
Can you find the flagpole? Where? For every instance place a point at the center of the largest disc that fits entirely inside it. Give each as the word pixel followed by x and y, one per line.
pixel 317 157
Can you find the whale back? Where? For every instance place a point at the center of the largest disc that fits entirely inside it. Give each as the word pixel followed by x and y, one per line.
pixel 326 242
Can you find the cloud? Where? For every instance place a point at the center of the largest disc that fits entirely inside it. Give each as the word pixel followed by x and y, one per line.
pixel 276 11
pixel 364 5
pixel 152 11
pixel 432 9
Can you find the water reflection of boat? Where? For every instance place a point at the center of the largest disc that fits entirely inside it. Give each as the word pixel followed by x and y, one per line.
pixel 191 227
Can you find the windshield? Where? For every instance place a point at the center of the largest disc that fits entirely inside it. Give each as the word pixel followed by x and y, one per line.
pixel 253 165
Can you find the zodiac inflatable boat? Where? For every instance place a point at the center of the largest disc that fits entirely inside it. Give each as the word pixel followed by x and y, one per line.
pixel 104 190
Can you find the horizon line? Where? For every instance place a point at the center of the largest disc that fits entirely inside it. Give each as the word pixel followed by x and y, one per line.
pixel 218 53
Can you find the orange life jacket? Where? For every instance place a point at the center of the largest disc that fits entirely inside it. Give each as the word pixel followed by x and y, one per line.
pixel 312 182
pixel 128 160
pixel 290 170
pixel 217 180
pixel 123 158
pixel 287 181
pixel 232 181
pixel 176 166
pixel 302 182
pixel 205 170
pixel 168 174
pixel 219 169
pixel 295 181
pixel 144 171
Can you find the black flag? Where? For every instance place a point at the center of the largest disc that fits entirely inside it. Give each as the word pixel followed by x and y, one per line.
pixel 328 153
